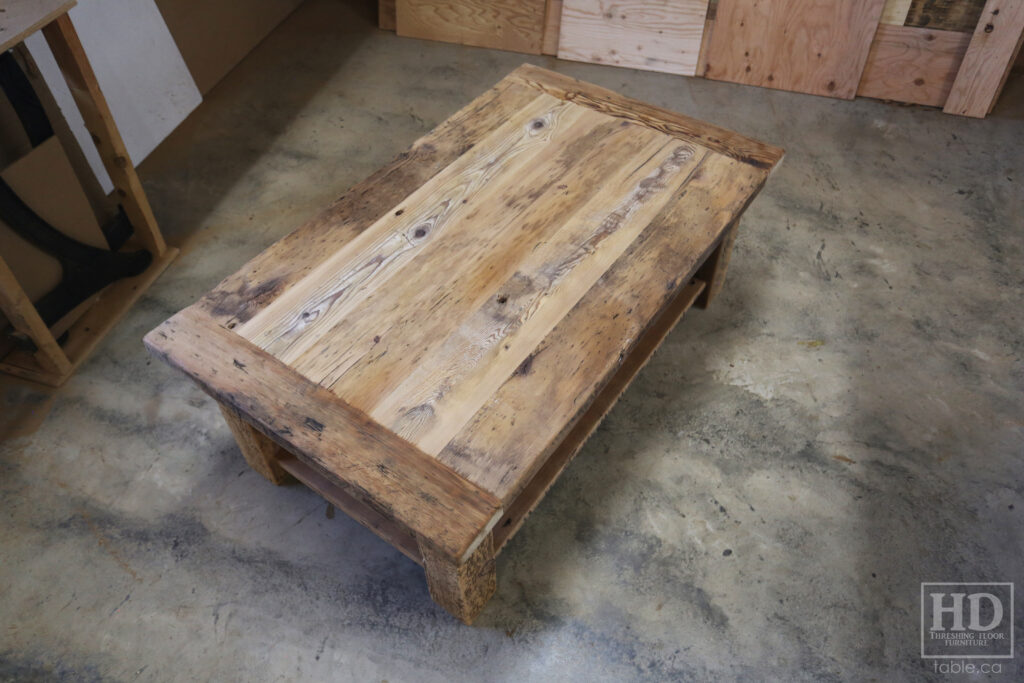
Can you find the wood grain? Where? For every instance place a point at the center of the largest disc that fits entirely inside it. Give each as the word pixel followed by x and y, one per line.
pixel 259 282
pixel 21 18
pixel 913 65
pixel 312 423
pixel 811 46
pixel 462 588
pixel 536 406
pixel 895 12
pixel 990 55
pixel 600 99
pixel 654 35
pixel 945 15
pixel 516 25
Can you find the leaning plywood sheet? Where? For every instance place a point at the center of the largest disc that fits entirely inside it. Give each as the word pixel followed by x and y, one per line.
pixel 655 35
pixel 994 47
pixel 811 46
pixel 516 25
pixel 914 65
pixel 895 12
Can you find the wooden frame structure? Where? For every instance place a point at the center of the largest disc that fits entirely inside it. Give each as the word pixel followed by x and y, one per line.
pixel 580 271
pixel 53 363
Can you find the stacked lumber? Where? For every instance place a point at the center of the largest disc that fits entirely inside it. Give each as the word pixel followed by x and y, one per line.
pixel 954 54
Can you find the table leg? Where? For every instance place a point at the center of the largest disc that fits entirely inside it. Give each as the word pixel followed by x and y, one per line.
pixel 462 589
pixel 713 270
pixel 260 452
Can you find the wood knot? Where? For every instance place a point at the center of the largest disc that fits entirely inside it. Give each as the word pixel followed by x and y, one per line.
pixel 989 28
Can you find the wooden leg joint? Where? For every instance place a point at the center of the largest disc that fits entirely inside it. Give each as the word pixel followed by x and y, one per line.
pixel 262 454
pixel 713 270
pixel 462 589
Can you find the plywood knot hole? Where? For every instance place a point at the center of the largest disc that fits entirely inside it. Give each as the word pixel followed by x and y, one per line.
pixel 503 299
pixel 831 86
pixel 399 212
pixel 989 28
pixel 918 81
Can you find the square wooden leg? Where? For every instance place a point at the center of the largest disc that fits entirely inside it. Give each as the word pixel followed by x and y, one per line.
pixel 713 270
pixel 261 453
pixel 462 589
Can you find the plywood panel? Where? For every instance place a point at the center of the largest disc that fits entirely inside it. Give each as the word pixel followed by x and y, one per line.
pixel 655 35
pixel 552 27
pixel 516 25
pixel 811 46
pixel 945 15
pixel 994 46
pixel 21 18
pixel 914 65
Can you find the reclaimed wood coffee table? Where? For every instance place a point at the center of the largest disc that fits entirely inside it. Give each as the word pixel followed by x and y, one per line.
pixel 431 351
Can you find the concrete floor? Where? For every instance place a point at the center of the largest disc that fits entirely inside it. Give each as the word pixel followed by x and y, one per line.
pixel 843 424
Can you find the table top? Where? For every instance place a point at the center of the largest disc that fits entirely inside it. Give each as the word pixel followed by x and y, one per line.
pixel 21 18
pixel 450 317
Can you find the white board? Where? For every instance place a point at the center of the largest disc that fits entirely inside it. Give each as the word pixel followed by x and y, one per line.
pixel 139 69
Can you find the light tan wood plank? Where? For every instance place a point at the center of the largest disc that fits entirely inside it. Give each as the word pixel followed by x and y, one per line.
pixel 461 276
pixel 811 46
pixel 990 55
pixel 514 433
pixel 552 26
pixel 259 282
pixel 914 65
pixel 299 320
pixel 707 135
pixel 654 35
pixel 74 64
pixel 432 501
pixel 447 388
pixel 895 12
pixel 21 18
pixel 516 25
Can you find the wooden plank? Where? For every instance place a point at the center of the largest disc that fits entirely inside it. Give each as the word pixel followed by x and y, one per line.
pixel 386 17
pixel 516 25
pixel 534 491
pixel 654 35
pixel 478 270
pixel 70 56
pixel 707 135
pixel 552 26
pixel 914 65
pixel 24 317
pixel 705 41
pixel 440 507
pixel 511 436
pixel 388 529
pixel 88 330
pixel 257 284
pixel 462 588
pixel 945 15
pixel 811 46
pixel 990 55
pixel 895 12
pixel 21 18
pixel 330 294
pixel 479 355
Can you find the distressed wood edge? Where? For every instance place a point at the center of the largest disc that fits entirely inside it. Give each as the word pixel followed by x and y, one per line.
pixel 594 413
pixel 462 588
pixel 470 508
pixel 721 140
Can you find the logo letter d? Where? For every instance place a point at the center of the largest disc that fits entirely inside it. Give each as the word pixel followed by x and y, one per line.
pixel 997 611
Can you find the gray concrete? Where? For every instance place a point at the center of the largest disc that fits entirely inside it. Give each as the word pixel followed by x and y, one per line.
pixel 843 424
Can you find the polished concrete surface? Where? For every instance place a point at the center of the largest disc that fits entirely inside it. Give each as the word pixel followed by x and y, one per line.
pixel 763 503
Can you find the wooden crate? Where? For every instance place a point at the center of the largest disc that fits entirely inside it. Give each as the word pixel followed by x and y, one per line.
pixel 433 349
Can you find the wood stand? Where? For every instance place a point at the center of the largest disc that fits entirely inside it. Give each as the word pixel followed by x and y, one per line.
pixel 52 364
